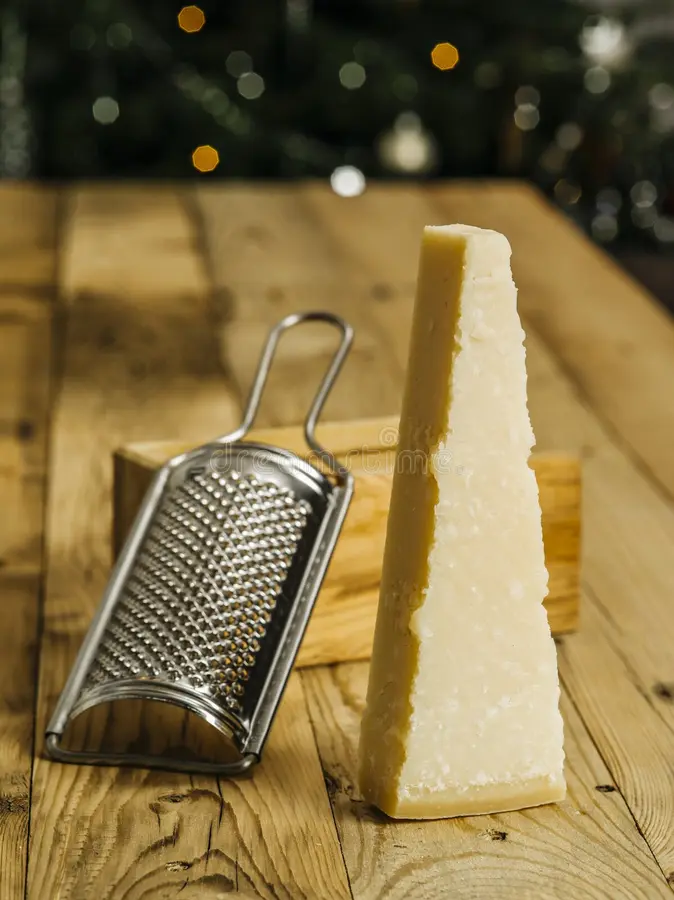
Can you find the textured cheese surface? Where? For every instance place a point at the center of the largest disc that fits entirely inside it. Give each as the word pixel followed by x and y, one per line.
pixel 462 711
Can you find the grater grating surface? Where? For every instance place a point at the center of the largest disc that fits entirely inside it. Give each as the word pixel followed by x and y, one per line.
pixel 209 600
pixel 197 606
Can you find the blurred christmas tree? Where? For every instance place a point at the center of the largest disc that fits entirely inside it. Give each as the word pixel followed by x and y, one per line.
pixel 574 94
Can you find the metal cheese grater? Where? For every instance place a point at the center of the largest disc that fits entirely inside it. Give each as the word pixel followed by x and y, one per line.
pixel 208 602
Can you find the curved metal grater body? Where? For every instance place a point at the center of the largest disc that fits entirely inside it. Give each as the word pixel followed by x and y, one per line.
pixel 208 602
pixel 197 606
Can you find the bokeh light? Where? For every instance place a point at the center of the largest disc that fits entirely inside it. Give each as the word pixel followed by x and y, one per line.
pixel 569 136
pixel 191 19
pixel 347 181
pixel 527 93
pixel 526 117
pixel 352 76
pixel 118 35
pixel 604 227
pixel 408 146
pixel 205 158
pixel 238 63
pixel 553 158
pixel 105 110
pixel 250 85
pixel 604 41
pixel 644 194
pixel 609 200
pixel 444 56
pixel 664 229
pixel 597 80
pixel 661 96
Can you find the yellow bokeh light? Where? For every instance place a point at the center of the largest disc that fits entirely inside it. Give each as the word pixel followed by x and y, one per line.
pixel 444 56
pixel 205 158
pixel 191 19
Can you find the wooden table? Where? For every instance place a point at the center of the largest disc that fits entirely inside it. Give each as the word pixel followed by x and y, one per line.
pixel 136 313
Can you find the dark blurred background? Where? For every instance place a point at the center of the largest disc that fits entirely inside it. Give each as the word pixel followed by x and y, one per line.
pixel 574 95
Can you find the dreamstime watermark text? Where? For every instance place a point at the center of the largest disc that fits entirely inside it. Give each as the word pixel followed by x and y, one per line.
pixel 381 458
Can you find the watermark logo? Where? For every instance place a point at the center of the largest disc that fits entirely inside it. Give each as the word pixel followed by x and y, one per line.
pixel 381 458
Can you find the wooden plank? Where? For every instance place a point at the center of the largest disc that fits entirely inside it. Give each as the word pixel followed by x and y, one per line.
pixel 375 237
pixel 615 342
pixel 27 225
pixel 633 727
pixel 271 255
pixel 628 531
pixel 28 236
pixel 144 364
pixel 342 624
pixel 587 846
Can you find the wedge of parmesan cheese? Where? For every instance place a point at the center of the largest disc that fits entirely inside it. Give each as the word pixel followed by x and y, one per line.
pixel 462 710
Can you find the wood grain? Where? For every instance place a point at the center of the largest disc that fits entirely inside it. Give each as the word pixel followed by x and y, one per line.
pixel 270 256
pixel 586 846
pixel 140 360
pixel 27 233
pixel 27 263
pixel 152 351
pixel 342 624
pixel 631 726
pixel 629 582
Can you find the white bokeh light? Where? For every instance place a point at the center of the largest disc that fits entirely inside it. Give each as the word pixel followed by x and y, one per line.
pixel 604 42
pixel 347 181
pixel 408 146
pixel 250 85
pixel 527 93
pixel 526 117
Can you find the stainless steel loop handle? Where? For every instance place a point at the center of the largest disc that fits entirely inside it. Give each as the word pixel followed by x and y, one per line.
pixel 324 388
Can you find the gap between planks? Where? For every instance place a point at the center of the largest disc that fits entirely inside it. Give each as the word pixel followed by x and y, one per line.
pixel 27 268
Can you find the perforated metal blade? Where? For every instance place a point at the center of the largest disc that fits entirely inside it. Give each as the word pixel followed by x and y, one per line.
pixel 209 600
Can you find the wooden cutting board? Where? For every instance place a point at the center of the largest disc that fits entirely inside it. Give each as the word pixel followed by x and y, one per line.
pixel 342 625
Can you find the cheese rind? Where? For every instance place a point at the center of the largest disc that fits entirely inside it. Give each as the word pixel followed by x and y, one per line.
pixel 462 710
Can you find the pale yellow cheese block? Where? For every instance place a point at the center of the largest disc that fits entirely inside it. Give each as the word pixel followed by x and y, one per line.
pixel 462 712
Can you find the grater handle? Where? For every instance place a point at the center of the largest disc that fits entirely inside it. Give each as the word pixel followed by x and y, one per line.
pixel 324 388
